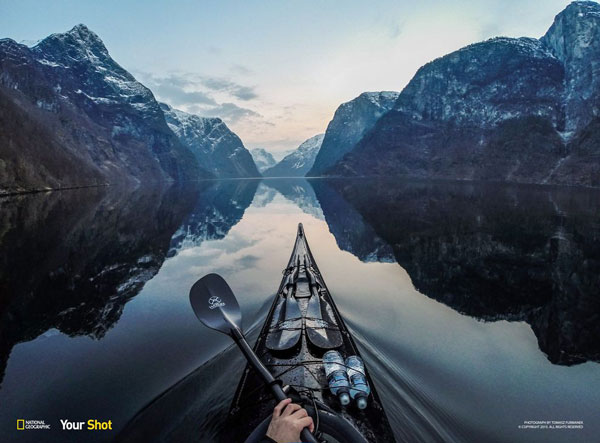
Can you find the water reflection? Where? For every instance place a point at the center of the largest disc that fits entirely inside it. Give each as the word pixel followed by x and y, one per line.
pixel 93 293
pixel 517 253
pixel 349 228
pixel 298 191
pixel 71 260
pixel 215 211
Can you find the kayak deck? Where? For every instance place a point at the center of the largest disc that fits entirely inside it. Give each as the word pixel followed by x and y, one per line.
pixel 302 324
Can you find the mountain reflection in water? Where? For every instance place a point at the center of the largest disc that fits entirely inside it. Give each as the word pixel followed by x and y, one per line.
pixel 494 252
pixel 70 262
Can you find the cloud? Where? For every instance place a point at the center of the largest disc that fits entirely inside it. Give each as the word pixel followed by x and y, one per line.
pixel 215 50
pixel 395 30
pixel 178 96
pixel 228 112
pixel 241 69
pixel 194 93
pixel 225 85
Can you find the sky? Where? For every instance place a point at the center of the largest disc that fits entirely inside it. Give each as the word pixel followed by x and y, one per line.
pixel 275 71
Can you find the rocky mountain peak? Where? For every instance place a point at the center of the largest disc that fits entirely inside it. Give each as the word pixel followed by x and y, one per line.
pixel 79 63
pixel 311 144
pixel 575 31
pixel 94 111
pixel 379 98
pixel 84 35
pixel 574 38
pixel 77 45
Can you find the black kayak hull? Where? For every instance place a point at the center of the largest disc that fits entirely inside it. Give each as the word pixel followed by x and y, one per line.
pixel 296 359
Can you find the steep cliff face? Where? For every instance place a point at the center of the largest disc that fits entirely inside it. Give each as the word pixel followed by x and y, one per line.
pixel 95 111
pixel 505 109
pixel 574 39
pixel 34 155
pixel 215 146
pixel 350 122
pixel 299 162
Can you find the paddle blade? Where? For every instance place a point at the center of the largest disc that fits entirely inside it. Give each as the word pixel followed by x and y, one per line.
pixel 286 331
pixel 215 305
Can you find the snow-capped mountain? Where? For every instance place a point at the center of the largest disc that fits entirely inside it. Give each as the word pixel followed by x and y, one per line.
pixel 278 155
pixel 350 121
pixel 508 109
pixel 298 163
pixel 263 159
pixel 73 117
pixel 215 146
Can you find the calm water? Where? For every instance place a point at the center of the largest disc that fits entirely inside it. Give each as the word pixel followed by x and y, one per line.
pixel 476 306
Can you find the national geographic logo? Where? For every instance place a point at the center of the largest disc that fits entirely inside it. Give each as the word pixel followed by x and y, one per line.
pixel 23 425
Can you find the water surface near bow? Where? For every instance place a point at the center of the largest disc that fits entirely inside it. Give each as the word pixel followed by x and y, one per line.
pixel 476 306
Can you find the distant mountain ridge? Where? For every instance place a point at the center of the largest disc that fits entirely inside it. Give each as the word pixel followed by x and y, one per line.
pixel 214 145
pixel 507 109
pixel 263 159
pixel 298 162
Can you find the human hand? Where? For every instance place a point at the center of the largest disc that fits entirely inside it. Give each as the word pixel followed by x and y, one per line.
pixel 288 421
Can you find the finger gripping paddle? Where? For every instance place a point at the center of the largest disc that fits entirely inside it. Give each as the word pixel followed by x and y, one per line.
pixel 215 305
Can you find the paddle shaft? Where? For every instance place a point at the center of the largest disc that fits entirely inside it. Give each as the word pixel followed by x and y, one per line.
pixel 276 389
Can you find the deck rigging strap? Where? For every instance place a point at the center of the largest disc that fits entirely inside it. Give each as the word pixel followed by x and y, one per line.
pixel 286 325
pixel 323 387
pixel 256 399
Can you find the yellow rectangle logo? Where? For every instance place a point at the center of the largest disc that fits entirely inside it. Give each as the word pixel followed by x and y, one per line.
pixel 20 425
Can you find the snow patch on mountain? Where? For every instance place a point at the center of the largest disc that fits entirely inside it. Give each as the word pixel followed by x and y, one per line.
pixel 298 163
pixel 263 159
pixel 217 148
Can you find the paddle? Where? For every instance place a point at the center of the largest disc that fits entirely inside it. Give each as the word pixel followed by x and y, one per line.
pixel 321 328
pixel 215 305
pixel 287 328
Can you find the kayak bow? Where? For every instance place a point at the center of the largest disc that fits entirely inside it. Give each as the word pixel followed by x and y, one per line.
pixel 302 324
